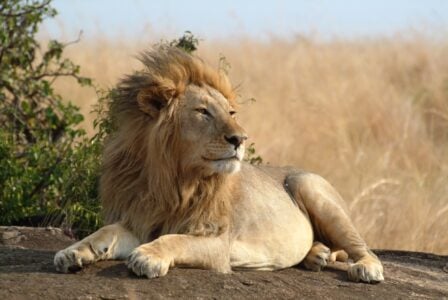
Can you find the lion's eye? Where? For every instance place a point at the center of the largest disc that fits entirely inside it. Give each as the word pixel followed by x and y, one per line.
pixel 232 113
pixel 203 111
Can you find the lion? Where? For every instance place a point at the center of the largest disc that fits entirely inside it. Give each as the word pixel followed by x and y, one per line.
pixel 176 191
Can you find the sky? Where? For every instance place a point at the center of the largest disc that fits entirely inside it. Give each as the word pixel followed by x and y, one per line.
pixel 258 19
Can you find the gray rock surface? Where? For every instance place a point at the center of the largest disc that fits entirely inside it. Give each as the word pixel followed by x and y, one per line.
pixel 27 272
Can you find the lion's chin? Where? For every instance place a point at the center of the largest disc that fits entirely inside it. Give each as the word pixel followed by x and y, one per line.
pixel 227 166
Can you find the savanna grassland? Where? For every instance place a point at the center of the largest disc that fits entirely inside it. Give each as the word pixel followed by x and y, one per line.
pixel 370 115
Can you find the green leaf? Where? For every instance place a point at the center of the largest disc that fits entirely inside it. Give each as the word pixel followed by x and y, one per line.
pixel 84 81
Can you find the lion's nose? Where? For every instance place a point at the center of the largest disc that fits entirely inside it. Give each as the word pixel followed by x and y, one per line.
pixel 235 140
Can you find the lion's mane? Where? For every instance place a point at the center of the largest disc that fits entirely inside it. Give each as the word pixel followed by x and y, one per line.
pixel 141 183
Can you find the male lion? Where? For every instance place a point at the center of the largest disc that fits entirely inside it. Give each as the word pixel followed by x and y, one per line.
pixel 175 191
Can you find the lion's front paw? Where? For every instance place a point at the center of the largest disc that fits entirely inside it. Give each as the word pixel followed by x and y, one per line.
pixel 148 262
pixel 367 269
pixel 72 258
pixel 317 257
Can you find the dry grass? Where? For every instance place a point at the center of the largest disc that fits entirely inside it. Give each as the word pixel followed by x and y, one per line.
pixel 369 115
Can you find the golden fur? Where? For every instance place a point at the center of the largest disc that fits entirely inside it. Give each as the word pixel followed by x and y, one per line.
pixel 175 192
pixel 147 203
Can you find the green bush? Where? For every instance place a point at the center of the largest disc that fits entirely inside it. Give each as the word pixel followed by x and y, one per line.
pixel 48 166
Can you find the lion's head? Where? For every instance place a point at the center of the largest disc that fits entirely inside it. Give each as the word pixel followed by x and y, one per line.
pixel 176 144
pixel 210 138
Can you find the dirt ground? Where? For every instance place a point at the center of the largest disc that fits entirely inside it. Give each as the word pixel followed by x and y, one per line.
pixel 27 272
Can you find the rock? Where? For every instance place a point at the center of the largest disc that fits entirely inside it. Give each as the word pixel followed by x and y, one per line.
pixel 48 238
pixel 408 275
pixel 12 236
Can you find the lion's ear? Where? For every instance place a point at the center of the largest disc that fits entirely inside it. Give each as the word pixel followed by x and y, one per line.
pixel 152 100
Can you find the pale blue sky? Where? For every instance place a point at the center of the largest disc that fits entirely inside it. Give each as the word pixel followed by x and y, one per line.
pixel 258 19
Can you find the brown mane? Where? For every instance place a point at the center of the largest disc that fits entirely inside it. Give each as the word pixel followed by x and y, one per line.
pixel 141 184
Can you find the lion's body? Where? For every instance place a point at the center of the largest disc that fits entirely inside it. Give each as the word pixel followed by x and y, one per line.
pixel 175 191
pixel 265 220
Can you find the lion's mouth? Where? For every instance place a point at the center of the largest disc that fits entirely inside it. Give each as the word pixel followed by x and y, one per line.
pixel 234 157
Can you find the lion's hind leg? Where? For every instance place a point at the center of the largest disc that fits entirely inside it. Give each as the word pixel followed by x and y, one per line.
pixel 110 242
pixel 332 225
pixel 339 255
pixel 318 257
